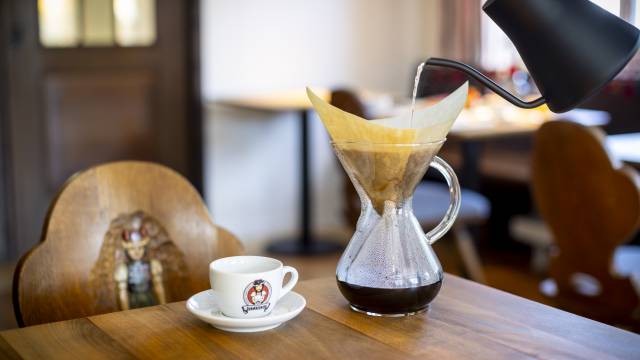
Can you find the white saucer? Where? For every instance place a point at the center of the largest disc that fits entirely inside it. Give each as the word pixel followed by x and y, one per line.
pixel 204 306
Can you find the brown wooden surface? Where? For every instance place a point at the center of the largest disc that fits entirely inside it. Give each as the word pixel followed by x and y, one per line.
pixel 592 205
pixel 52 281
pixel 467 320
pixel 125 132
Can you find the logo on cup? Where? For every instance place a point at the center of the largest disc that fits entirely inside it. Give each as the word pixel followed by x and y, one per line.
pixel 256 296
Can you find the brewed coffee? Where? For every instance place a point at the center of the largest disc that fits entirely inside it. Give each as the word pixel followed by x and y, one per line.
pixel 389 301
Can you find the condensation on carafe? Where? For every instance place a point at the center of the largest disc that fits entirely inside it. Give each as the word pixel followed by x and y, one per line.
pixel 389 251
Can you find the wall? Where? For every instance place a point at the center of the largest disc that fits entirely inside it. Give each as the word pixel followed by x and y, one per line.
pixel 252 47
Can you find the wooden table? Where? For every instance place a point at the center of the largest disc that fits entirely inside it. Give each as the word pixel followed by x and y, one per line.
pixel 473 132
pixel 466 321
pixel 626 147
pixel 471 125
pixel 293 101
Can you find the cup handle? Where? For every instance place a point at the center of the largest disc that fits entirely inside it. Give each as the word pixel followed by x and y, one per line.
pixel 454 196
pixel 292 282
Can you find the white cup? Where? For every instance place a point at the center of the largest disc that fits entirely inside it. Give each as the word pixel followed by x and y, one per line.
pixel 249 286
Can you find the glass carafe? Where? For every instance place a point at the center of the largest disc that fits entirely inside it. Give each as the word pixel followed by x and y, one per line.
pixel 389 267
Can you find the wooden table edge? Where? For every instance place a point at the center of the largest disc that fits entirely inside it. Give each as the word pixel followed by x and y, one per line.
pixel 8 350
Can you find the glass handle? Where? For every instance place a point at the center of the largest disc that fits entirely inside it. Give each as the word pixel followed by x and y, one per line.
pixel 454 204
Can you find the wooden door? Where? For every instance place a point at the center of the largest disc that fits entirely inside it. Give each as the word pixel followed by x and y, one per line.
pixel 4 95
pixel 95 94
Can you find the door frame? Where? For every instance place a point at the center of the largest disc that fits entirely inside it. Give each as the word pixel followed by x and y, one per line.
pixel 21 66
pixel 4 129
pixel 195 123
pixel 11 36
pixel 15 26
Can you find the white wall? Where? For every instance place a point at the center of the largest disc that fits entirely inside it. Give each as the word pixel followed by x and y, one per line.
pixel 257 46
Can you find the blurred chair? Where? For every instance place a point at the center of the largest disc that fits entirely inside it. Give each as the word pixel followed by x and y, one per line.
pixel 118 236
pixel 591 205
pixel 430 200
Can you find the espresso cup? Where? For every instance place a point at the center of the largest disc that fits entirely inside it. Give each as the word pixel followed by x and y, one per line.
pixel 249 286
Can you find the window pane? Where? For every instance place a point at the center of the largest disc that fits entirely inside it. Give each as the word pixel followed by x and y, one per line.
pixel 58 22
pixel 135 22
pixel 612 6
pixel 98 23
pixel 498 52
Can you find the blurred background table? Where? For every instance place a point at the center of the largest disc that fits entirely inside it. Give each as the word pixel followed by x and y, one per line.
pixel 484 123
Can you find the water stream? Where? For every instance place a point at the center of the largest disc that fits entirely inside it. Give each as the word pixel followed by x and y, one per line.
pixel 415 91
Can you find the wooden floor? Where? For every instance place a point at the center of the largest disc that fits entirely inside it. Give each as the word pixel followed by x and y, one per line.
pixel 507 271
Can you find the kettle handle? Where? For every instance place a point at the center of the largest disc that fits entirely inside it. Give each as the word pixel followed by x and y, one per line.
pixel 455 198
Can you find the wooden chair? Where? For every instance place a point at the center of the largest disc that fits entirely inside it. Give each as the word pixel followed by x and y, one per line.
pixel 591 204
pixel 430 201
pixel 100 222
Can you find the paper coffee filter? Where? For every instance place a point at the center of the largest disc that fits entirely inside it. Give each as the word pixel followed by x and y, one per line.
pixel 374 152
pixel 344 126
pixel 434 122
pixel 429 124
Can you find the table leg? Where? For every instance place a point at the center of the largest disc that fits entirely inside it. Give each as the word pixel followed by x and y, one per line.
pixel 305 244
pixel 305 199
pixel 470 172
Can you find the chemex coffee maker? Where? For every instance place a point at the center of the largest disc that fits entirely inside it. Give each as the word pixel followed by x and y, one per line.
pixel 571 48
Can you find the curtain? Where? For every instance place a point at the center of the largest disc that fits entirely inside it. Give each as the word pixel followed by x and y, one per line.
pixel 461 30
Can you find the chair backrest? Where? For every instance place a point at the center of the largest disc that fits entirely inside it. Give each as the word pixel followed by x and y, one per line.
pixel 348 101
pixel 117 236
pixel 591 203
